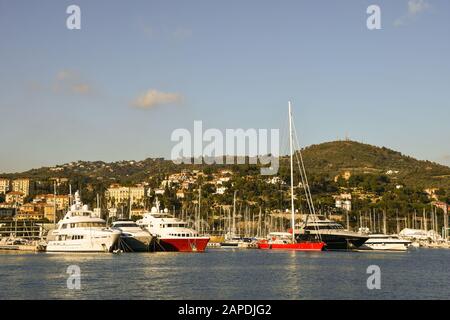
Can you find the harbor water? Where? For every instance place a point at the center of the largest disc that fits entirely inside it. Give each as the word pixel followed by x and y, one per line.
pixel 226 274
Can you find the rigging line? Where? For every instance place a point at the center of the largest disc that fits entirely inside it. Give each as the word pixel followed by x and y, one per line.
pixel 303 170
pixel 306 185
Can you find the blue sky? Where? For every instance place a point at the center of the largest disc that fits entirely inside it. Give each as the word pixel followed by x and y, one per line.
pixel 70 95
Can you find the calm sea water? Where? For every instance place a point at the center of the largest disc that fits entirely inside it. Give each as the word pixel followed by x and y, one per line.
pixel 227 274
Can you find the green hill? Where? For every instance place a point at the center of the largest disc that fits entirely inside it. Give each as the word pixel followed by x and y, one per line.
pixel 327 160
pixel 336 157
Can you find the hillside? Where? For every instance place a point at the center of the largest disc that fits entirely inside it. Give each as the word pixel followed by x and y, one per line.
pixel 325 159
pixel 336 157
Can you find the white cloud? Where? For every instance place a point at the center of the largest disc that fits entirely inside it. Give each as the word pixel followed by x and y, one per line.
pixel 69 81
pixel 415 7
pixel 153 98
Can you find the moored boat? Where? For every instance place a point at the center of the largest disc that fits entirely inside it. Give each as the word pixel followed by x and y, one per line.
pixel 332 233
pixel 288 241
pixel 81 231
pixel 172 234
pixel 383 242
pixel 283 241
pixel 237 242
pixel 132 238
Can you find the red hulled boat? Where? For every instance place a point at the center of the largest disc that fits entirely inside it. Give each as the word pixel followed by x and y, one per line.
pixel 283 241
pixel 171 234
pixel 286 240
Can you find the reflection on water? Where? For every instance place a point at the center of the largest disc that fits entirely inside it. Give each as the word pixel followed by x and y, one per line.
pixel 226 274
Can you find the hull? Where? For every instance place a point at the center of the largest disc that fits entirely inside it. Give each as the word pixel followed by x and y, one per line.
pixel 338 242
pixel 229 245
pixel 181 244
pixel 299 246
pixel 135 244
pixel 385 247
pixel 102 244
pixel 239 245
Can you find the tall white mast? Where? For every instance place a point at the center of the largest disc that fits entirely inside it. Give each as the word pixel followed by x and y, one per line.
pixel 129 203
pixel 70 195
pixel 291 146
pixel 54 203
pixel 234 214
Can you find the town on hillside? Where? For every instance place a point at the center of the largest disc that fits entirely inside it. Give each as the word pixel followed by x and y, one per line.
pixel 208 193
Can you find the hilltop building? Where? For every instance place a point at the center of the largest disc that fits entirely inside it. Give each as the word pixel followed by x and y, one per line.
pixel 343 201
pixel 15 198
pixel 21 185
pixel 117 194
pixel 221 190
pixel 4 185
pixel 35 211
pixel 62 201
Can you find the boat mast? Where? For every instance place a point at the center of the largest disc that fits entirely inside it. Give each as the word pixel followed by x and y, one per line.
pixel 233 231
pixel 292 173
pixel 129 203
pixel 199 207
pixel 54 203
pixel 70 195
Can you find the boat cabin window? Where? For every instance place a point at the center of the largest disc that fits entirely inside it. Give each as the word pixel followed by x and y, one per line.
pixel 325 227
pixel 173 225
pixel 125 225
pixel 89 224
pixel 161 215
pixel 81 214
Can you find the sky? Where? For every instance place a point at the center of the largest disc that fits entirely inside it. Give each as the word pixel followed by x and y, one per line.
pixel 137 70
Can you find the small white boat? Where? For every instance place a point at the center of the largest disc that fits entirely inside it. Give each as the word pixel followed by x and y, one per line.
pixel 237 242
pixel 383 242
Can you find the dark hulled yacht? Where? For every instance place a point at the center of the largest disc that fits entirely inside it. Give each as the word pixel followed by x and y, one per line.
pixel 335 236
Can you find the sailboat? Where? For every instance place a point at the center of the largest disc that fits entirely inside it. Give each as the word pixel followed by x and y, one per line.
pixel 287 240
pixel 233 240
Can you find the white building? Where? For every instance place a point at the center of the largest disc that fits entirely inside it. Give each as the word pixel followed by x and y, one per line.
pixel 21 185
pixel 343 201
pixel 116 194
pixel 221 190
pixel 4 185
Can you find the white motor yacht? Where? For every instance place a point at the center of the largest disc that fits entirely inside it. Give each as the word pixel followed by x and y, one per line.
pixel 81 231
pixel 383 242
